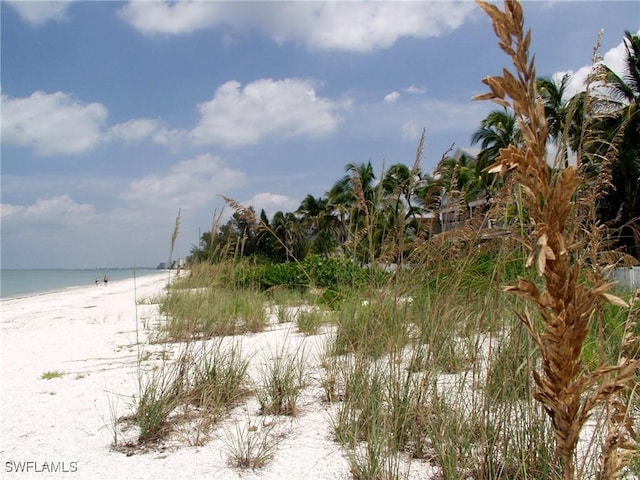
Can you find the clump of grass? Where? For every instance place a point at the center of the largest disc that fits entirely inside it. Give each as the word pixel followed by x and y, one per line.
pixel 362 389
pixel 159 397
pixel 251 445
pixel 565 303
pixel 361 424
pixel 48 375
pixel 286 297
pixel 443 328
pixel 219 378
pixel 283 378
pixel 211 377
pixel 309 322
pixel 201 275
pixel 453 432
pixel 376 326
pixel 209 312
pixel 381 413
pixel 512 360
pixel 515 442
pixel 374 459
pixel 286 314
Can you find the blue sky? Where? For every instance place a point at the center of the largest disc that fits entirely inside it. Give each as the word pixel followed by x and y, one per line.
pixel 115 115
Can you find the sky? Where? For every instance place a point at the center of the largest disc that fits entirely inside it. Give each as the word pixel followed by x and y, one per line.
pixel 115 116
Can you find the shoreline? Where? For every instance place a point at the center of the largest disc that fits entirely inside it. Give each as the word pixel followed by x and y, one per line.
pixel 68 288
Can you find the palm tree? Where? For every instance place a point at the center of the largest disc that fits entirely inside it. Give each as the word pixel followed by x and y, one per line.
pixel 291 241
pixel 622 203
pixel 458 177
pixel 564 115
pixel 460 185
pixel 362 183
pixel 264 236
pixel 340 199
pixel 552 94
pixel 401 182
pixel 428 194
pixel 498 130
pixel 395 209
pixel 312 210
pixel 353 199
pixel 322 224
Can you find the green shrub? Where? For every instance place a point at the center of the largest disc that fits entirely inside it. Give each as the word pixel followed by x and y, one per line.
pixel 289 274
pixel 247 273
pixel 333 272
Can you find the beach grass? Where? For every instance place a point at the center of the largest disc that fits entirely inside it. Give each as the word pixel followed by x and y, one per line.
pixel 207 312
pixel 433 367
pixel 283 376
pixel 251 445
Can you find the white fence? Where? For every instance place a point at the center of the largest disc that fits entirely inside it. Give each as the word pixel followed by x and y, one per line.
pixel 627 277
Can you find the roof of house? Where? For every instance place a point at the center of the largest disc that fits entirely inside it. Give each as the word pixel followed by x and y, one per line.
pixel 468 151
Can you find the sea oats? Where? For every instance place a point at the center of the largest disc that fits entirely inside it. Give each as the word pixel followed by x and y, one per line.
pixel 567 389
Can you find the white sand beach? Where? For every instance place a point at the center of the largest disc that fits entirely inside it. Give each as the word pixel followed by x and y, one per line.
pixel 67 423
pixel 65 427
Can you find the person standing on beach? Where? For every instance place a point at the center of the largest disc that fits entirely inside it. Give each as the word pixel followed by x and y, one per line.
pixel 106 280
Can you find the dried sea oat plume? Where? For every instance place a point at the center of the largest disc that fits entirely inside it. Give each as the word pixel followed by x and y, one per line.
pixel 174 234
pixel 566 388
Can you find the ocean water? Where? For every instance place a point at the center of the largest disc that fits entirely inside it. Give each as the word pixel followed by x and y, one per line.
pixel 19 283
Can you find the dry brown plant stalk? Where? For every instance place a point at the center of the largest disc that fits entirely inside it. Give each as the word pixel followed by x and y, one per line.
pixel 174 234
pixel 566 388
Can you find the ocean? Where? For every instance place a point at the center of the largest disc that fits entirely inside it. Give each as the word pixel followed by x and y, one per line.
pixel 18 283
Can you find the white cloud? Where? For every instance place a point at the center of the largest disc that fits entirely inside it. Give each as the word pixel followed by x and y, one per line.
pixel 411 131
pixel 391 97
pixel 135 130
pixel 263 108
pixel 52 123
pixel 368 26
pixel 169 137
pixel 395 95
pixel 58 124
pixel 6 210
pixel 152 18
pixel 40 12
pixel 190 184
pixel 614 58
pixel 415 90
pixel 60 210
pixel 272 202
pixel 351 26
